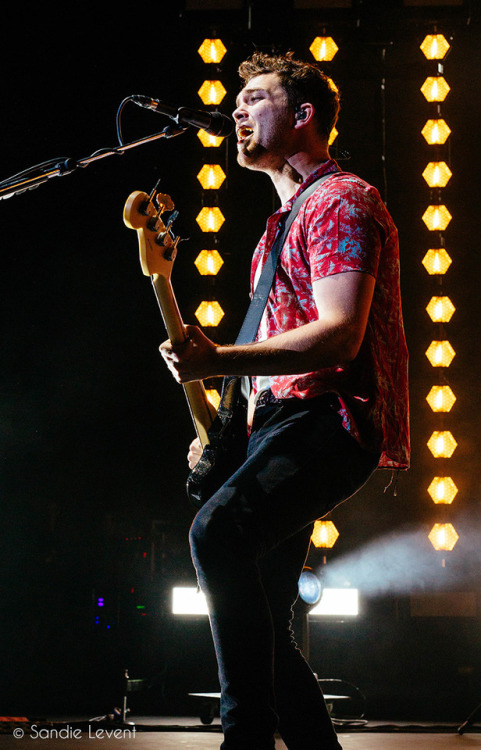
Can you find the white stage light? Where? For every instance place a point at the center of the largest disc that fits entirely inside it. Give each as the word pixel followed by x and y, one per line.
pixel 188 600
pixel 340 602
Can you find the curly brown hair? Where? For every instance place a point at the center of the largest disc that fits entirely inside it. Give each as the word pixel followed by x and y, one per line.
pixel 302 82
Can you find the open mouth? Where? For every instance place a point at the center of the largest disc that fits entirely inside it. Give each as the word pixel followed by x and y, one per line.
pixel 243 132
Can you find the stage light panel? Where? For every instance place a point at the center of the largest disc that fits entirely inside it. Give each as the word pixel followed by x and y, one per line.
pixel 437 218
pixel 442 444
pixel 440 309
pixel 209 313
pixel 440 353
pixel 443 536
pixel 324 534
pixel 212 92
pixel 337 602
pixel 212 50
pixel 208 262
pixel 210 219
pixel 208 140
pixel 435 89
pixel 211 176
pixel 437 174
pixel 323 48
pixel 436 132
pixel 441 398
pixel 435 46
pixel 442 490
pixel 188 600
pixel 437 261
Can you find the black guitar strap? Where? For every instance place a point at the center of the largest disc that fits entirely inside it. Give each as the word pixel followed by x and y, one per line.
pixel 258 302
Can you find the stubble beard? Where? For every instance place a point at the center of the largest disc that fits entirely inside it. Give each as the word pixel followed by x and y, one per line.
pixel 254 155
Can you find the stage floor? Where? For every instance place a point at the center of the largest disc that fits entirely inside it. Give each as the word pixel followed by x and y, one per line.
pixel 167 733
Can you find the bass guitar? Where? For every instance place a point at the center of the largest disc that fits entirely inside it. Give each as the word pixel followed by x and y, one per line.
pixel 222 434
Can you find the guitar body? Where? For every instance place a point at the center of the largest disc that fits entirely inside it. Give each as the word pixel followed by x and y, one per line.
pixel 227 446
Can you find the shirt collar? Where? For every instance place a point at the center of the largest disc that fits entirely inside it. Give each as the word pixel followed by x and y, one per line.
pixel 325 168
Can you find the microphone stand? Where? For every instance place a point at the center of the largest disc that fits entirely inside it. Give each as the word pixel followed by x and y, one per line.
pixel 34 176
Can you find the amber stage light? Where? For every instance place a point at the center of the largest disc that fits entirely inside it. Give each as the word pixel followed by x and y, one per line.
pixel 440 353
pixel 443 536
pixel 437 218
pixel 435 89
pixel 210 219
pixel 440 309
pixel 208 262
pixel 324 534
pixel 212 50
pixel 208 140
pixel 442 444
pixel 441 398
pixel 436 132
pixel 214 396
pixel 323 48
pixel 212 92
pixel 209 313
pixel 435 46
pixel 211 176
pixel 442 490
pixel 437 174
pixel 437 261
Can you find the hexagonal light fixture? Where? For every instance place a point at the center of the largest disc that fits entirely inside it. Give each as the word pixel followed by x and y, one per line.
pixel 437 261
pixel 437 218
pixel 210 219
pixel 440 353
pixel 435 46
pixel 208 262
pixel 324 534
pixel 435 89
pixel 436 131
pixel 323 48
pixel 437 174
pixel 440 309
pixel 209 313
pixel 212 92
pixel 442 490
pixel 441 398
pixel 443 536
pixel 212 50
pixel 442 444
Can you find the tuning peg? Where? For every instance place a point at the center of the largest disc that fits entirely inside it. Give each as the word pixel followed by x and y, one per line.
pixel 171 250
pixel 167 231
pixel 171 220
pixel 164 202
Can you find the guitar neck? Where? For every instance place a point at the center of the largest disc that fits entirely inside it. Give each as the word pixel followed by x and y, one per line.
pixel 201 410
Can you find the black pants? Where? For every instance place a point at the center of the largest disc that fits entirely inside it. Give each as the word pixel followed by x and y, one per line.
pixel 249 543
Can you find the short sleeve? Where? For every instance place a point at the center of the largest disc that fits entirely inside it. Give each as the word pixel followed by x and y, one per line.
pixel 342 231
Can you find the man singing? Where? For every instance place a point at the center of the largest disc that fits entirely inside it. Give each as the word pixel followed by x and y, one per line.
pixel 328 401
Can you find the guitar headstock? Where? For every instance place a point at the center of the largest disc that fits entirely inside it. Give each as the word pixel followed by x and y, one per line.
pixel 157 246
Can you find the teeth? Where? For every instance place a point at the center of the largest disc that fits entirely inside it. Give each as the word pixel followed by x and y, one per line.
pixel 244 132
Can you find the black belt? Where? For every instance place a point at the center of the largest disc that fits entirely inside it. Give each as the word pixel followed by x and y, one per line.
pixel 267 397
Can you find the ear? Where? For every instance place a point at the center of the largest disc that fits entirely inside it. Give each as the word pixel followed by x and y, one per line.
pixel 303 114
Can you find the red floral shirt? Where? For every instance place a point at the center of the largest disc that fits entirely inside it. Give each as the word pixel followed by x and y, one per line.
pixel 344 226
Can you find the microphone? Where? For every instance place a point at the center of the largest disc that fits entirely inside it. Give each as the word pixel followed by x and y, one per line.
pixel 214 123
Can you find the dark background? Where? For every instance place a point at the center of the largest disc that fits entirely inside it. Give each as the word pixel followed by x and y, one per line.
pixel 94 431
